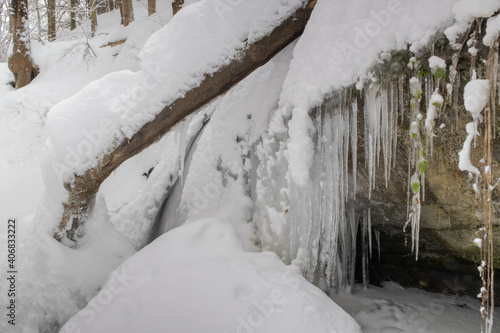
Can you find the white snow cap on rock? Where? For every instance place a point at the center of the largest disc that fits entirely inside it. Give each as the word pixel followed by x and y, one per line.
pixel 492 31
pixel 467 10
pixel 476 95
pixel 464 162
pixel 436 62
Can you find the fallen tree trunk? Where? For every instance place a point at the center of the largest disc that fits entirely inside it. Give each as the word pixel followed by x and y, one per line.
pixel 83 189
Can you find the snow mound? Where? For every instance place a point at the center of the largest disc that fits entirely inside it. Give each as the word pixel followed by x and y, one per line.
pixel 476 95
pixel 197 278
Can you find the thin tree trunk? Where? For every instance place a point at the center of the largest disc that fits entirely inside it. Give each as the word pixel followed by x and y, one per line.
pixel 151 7
pixel 118 4
pixel 127 12
pixel 20 62
pixel 92 8
pixel 39 20
pixel 111 5
pixel 72 22
pixel 177 5
pixel 51 16
pixel 83 189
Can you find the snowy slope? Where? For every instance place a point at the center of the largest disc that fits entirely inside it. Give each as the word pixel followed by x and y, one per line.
pixel 56 281
pixel 75 92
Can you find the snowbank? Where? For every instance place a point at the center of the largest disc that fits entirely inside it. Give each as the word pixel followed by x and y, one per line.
pixel 197 278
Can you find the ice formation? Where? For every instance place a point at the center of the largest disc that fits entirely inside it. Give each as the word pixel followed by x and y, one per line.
pixel 316 226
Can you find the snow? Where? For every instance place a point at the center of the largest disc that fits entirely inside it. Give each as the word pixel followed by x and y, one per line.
pixel 197 278
pixel 134 199
pixel 435 63
pixel 343 39
pixel 466 11
pixel 435 103
pixel 394 309
pixel 112 109
pixel 476 96
pixel 53 280
pixel 492 31
pixel 464 162
pixel 265 173
pixel 300 148
pixel 57 281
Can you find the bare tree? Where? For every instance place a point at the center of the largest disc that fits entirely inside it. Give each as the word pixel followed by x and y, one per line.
pixel 84 187
pixel 151 7
pixel 4 30
pixel 51 16
pixel 20 62
pixel 92 12
pixel 126 11
pixel 73 9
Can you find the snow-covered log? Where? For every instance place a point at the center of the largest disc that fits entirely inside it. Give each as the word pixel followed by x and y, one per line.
pixel 83 188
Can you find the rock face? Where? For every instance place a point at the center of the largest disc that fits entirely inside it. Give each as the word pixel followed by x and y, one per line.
pixel 451 213
pixel 367 145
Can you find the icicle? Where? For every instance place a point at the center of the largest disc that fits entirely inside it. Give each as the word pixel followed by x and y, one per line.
pixel 408 191
pixel 385 133
pixel 377 239
pixel 422 185
pixel 322 223
pixel 416 231
pixel 401 97
pixel 345 151
pixel 365 250
pixel 354 144
pixel 395 110
pixel 372 133
pixel 429 89
pixel 370 231
pixel 181 137
pixel 353 223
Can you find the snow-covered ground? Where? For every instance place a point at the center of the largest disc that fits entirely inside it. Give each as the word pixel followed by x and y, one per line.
pixel 209 274
pixel 394 309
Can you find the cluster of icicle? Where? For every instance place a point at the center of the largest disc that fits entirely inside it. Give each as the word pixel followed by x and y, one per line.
pixel 316 226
